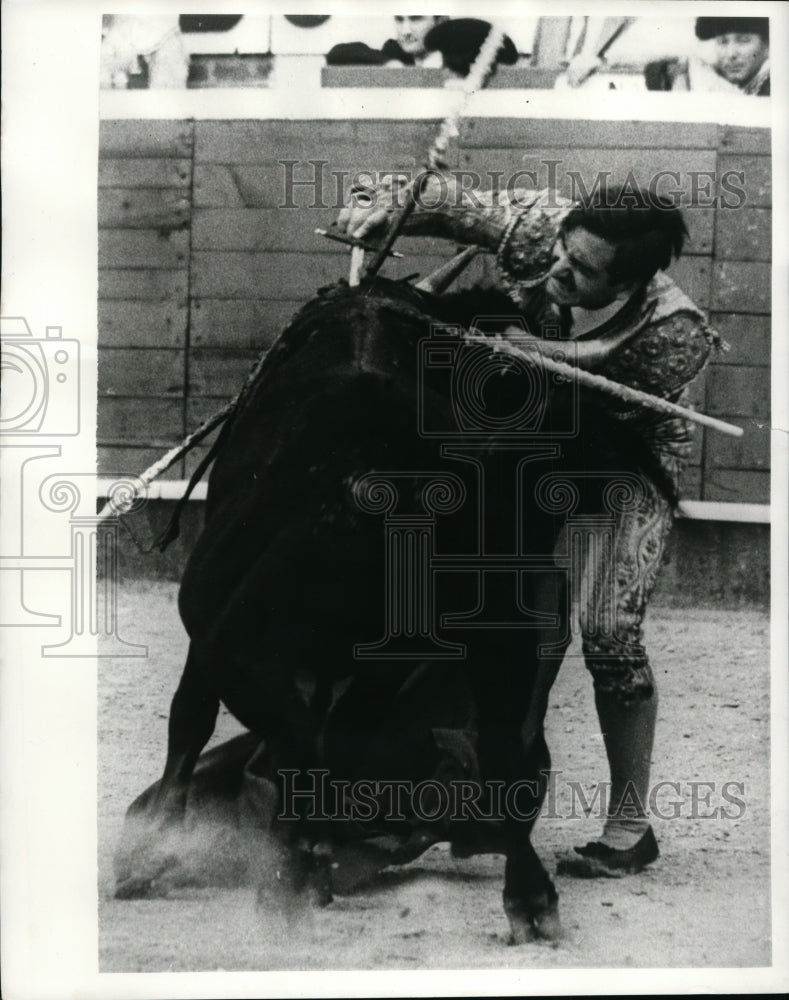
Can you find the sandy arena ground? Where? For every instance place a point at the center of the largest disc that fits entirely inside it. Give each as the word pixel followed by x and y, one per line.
pixel 704 903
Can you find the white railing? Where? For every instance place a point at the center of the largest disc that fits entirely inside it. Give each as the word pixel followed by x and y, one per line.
pixel 694 510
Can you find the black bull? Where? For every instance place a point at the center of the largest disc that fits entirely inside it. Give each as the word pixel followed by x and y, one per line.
pixel 364 490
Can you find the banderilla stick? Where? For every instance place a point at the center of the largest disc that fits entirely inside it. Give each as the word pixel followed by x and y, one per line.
pixel 624 392
pixel 116 507
pixel 123 505
pixel 351 242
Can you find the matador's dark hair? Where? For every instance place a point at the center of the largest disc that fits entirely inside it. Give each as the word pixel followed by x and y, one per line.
pixel 647 229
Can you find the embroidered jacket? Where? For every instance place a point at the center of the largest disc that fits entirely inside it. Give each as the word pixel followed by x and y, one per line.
pixel 662 359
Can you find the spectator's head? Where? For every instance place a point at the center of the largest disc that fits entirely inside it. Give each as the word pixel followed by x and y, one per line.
pixel 742 44
pixel 411 32
pixel 611 244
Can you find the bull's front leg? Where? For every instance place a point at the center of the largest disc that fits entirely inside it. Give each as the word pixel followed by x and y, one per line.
pixel 148 855
pixel 193 713
pixel 530 898
pixel 522 762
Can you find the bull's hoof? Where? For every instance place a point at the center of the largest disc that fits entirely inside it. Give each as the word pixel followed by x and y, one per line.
pixel 533 919
pixel 294 881
pixel 319 877
pixel 547 925
pixel 521 930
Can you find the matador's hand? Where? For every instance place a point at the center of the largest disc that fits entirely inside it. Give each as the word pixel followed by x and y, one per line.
pixel 369 208
pixel 368 211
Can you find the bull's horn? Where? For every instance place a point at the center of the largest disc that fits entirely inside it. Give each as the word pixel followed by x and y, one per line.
pixel 443 276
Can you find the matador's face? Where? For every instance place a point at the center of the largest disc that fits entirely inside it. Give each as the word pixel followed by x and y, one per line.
pixel 580 273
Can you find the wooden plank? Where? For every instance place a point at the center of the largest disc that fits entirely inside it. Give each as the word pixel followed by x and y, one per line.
pixel 139 421
pixel 741 286
pixel 734 139
pixel 692 274
pixel 133 248
pixel 216 187
pixel 323 184
pixel 737 486
pixel 146 285
pixel 131 461
pixel 259 229
pixel 289 276
pixel 381 76
pixel 145 173
pixel 149 138
pixel 697 455
pixel 250 324
pixel 236 275
pixel 700 223
pixel 748 338
pixel 219 372
pixel 200 408
pixel 690 487
pixel 136 371
pixel 142 324
pixel 751 451
pixel 530 133
pixel 739 391
pixel 414 137
pixel 146 208
pixel 743 235
pixel 574 172
pixel 752 174
pixel 697 391
pixel 254 141
pixel 262 229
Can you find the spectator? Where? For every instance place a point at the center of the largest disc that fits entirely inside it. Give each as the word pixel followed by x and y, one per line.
pixel 133 48
pixel 408 49
pixel 740 59
pixel 587 41
pixel 430 42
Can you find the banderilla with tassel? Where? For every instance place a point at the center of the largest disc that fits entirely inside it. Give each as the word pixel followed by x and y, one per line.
pixel 589 380
pixel 625 393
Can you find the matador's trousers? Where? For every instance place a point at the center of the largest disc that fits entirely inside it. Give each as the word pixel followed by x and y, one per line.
pixel 620 568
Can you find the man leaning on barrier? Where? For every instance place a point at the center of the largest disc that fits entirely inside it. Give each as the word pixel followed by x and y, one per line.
pixel 595 271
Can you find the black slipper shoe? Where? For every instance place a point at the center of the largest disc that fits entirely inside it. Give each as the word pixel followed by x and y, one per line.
pixel 600 861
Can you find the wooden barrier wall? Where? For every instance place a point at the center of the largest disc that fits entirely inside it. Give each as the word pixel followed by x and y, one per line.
pixel 200 266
